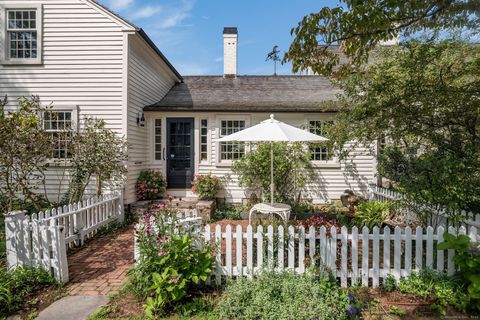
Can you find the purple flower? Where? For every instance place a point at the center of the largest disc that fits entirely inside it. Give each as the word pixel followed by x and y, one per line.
pixel 351 298
pixel 352 310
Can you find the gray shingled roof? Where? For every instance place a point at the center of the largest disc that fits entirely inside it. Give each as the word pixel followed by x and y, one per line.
pixel 249 94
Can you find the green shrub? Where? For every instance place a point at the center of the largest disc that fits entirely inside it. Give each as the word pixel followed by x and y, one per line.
pixel 371 213
pixel 442 289
pixel 390 283
pixel 284 295
pixel 206 186
pixel 467 260
pixel 150 185
pixel 17 284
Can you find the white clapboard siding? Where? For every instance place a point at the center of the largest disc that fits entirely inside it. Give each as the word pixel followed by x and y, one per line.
pixel 42 238
pixel 382 252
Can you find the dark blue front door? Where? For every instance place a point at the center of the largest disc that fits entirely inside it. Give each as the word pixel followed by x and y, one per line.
pixel 180 164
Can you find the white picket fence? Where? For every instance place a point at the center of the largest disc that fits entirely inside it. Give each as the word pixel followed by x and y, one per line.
pixel 353 255
pixel 442 215
pixel 42 239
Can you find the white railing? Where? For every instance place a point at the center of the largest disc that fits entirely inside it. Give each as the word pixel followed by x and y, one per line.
pixel 353 255
pixel 42 238
pixel 442 215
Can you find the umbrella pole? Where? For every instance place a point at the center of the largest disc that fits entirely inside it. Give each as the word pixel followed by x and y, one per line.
pixel 272 187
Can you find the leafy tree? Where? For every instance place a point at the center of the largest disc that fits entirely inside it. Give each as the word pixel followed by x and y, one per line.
pixel 25 147
pixel 292 170
pixel 358 26
pixel 99 153
pixel 423 98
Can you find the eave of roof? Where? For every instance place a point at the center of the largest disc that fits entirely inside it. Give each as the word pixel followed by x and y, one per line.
pixel 249 94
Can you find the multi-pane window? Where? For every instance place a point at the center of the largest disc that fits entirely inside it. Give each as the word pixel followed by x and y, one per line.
pixel 158 139
pixel 203 140
pixel 22 34
pixel 320 152
pixel 59 126
pixel 231 150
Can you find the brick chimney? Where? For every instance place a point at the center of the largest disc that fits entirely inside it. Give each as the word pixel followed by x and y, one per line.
pixel 230 43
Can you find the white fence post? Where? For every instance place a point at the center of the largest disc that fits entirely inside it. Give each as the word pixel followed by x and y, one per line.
pixel 120 207
pixel 15 241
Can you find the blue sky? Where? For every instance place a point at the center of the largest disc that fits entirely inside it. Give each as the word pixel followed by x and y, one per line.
pixel 189 32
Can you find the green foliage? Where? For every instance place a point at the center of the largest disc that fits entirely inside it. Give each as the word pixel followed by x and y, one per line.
pixel 98 152
pixel 171 261
pixel 292 170
pixel 371 213
pixel 396 311
pixel 467 260
pixel 442 289
pixel 206 186
pixel 423 100
pixel 273 295
pixel 150 185
pixel 360 26
pixel 17 284
pixel 390 283
pixel 25 147
pixel 228 211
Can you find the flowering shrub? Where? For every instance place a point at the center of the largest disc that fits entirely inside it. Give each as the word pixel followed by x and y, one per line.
pixel 150 185
pixel 172 260
pixel 206 186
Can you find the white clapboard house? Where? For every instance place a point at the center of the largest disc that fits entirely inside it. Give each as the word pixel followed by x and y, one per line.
pixel 89 62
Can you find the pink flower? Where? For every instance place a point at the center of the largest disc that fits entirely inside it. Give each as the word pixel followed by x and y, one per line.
pixel 162 253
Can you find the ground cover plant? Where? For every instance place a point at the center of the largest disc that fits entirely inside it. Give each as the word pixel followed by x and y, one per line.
pixel 18 284
pixel 273 295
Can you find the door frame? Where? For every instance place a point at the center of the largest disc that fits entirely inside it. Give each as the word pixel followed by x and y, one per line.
pixel 193 139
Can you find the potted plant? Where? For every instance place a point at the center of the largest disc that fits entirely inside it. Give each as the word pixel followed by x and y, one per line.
pixel 150 185
pixel 206 186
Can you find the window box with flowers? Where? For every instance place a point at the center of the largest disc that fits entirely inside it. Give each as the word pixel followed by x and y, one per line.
pixel 206 186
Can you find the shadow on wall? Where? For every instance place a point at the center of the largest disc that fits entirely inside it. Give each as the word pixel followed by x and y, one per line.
pixel 354 179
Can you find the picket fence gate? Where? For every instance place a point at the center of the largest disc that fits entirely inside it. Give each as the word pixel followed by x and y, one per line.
pixel 353 255
pixel 41 240
pixel 442 215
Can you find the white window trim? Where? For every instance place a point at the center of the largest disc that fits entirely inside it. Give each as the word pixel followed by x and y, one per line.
pixel 209 140
pixel 219 119
pixel 4 43
pixel 75 128
pixel 163 140
pixel 332 163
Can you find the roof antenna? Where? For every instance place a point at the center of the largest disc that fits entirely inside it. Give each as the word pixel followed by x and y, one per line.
pixel 274 56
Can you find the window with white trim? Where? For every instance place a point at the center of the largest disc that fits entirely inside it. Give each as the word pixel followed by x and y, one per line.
pixel 320 152
pixel 21 34
pixel 158 139
pixel 231 151
pixel 203 140
pixel 59 126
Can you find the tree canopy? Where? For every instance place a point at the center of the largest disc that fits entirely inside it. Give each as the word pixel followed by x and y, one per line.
pixel 358 27
pixel 424 99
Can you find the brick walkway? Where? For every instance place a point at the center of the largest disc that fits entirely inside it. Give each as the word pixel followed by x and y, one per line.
pixel 101 266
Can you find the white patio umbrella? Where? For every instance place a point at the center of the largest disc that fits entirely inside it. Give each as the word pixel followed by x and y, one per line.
pixel 272 130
